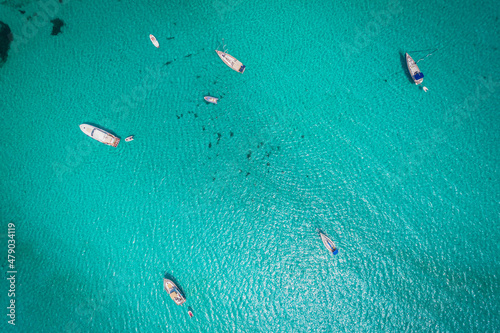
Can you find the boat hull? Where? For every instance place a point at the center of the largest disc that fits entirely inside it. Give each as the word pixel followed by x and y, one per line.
pixel 211 99
pixel 100 135
pixel 413 69
pixel 231 61
pixel 327 242
pixel 154 41
pixel 173 291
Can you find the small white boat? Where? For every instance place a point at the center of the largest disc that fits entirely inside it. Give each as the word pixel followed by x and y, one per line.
pixel 129 138
pixel 154 41
pixel 100 135
pixel 231 61
pixel 211 99
pixel 328 243
pixel 173 291
pixel 413 69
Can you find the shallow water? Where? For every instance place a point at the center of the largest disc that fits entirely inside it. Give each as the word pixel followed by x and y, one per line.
pixel 323 130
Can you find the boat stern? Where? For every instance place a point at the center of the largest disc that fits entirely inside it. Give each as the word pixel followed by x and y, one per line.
pixel 116 142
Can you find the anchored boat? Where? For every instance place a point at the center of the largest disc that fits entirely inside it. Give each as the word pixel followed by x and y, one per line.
pixel 173 291
pixel 231 61
pixel 100 135
pixel 415 72
pixel 154 41
pixel 129 138
pixel 211 99
pixel 328 243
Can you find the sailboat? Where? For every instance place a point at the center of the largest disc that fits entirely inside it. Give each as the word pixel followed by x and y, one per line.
pixel 328 243
pixel 413 69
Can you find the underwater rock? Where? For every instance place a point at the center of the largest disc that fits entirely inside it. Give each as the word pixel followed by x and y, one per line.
pixel 57 25
pixel 5 38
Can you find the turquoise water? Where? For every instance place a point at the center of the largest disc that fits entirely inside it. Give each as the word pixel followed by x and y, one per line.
pixel 323 130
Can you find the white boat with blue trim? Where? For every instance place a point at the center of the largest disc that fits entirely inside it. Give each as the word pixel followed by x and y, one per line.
pixel 413 69
pixel 328 243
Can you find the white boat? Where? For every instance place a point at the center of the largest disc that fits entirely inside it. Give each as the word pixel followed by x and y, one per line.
pixel 328 243
pixel 413 69
pixel 231 61
pixel 211 99
pixel 154 41
pixel 173 291
pixel 100 135
pixel 129 138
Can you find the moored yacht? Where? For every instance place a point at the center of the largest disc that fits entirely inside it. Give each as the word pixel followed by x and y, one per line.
pixel 173 291
pixel 100 135
pixel 231 61
pixel 413 69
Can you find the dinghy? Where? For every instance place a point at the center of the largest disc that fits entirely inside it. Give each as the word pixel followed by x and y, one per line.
pixel 129 138
pixel 211 99
pixel 154 41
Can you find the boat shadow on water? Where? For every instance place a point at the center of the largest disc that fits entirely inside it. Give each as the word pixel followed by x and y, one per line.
pixel 168 276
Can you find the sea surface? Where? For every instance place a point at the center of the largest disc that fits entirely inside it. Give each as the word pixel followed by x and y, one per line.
pixel 324 129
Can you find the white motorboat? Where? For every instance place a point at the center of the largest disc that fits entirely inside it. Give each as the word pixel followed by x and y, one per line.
pixel 211 99
pixel 100 135
pixel 231 61
pixel 173 291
